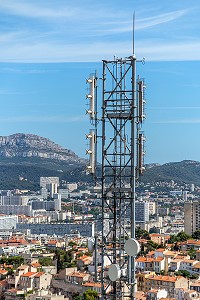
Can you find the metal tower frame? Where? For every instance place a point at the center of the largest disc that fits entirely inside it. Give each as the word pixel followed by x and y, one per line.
pixel 122 151
pixel 122 162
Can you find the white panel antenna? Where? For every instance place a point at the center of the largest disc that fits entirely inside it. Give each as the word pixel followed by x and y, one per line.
pixel 141 101
pixel 140 154
pixel 91 96
pixel 91 151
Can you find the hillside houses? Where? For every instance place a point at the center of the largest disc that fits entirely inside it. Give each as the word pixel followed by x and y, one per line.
pixel 65 268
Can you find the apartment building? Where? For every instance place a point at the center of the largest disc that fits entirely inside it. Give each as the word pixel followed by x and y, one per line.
pixel 168 283
pixel 191 216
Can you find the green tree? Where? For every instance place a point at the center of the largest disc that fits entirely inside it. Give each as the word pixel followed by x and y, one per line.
pixel 141 233
pixel 72 244
pixel 64 259
pixel 90 295
pixel 196 235
pixel 182 236
pixel 77 297
pixel 175 247
pixel 152 245
pixel 186 274
pixel 183 273
pixel 16 261
pixel 192 253
pixel 172 239
pixel 45 261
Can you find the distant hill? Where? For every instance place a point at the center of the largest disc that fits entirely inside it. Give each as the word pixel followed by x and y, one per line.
pixel 187 171
pixel 24 158
pixel 31 145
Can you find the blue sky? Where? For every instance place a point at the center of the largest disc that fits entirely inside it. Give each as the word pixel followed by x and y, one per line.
pixel 48 48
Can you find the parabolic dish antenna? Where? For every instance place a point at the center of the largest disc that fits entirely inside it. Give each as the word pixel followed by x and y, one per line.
pixel 132 247
pixel 114 272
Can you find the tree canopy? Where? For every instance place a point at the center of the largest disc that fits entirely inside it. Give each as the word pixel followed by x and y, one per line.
pixel 180 237
pixel 90 295
pixel 141 233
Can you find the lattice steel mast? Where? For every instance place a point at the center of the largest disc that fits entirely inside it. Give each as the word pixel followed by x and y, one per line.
pixel 122 163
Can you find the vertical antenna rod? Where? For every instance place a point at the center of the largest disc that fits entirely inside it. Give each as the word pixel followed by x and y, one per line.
pixel 134 34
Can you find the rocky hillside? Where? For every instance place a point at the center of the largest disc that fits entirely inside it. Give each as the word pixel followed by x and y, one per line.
pixel 31 145
pixel 24 158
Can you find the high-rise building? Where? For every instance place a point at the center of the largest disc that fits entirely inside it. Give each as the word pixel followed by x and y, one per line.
pixel 152 207
pixel 49 186
pixel 191 216
pixel 57 201
pixel 141 211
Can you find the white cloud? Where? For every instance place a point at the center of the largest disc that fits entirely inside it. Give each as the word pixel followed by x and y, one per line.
pixel 9 92
pixel 96 51
pixel 75 36
pixel 118 24
pixel 156 51
pixel 160 19
pixel 31 10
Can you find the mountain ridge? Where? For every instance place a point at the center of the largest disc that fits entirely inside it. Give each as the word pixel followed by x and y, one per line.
pixel 29 156
pixel 32 145
pixel 186 171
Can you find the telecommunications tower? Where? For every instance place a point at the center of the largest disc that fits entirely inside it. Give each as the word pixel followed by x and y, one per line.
pixel 122 149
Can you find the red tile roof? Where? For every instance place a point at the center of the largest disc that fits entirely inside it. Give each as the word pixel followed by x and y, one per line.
pixel 29 274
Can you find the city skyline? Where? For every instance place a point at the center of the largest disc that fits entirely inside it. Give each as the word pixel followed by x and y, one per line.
pixel 48 50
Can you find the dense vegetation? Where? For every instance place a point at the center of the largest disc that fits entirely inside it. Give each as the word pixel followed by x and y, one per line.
pixel 46 261
pixel 31 169
pixel 64 259
pixel 87 295
pixel 15 261
pixel 186 171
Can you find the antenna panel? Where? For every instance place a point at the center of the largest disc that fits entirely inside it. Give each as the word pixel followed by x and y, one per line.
pixel 91 96
pixel 91 151
pixel 140 154
pixel 141 100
